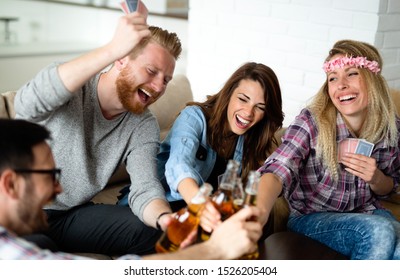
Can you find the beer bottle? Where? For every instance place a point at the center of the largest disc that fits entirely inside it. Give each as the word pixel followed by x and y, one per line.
pixel 184 222
pixel 250 199
pixel 223 197
pixel 238 195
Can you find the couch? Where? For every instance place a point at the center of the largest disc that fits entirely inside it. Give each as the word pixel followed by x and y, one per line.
pixel 282 244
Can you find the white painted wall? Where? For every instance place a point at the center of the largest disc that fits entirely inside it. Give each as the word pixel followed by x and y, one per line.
pixel 49 22
pixel 43 27
pixel 291 36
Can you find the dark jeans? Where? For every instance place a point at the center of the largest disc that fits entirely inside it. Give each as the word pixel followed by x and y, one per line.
pixel 97 228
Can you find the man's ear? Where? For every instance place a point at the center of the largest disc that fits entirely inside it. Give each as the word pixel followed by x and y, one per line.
pixel 121 63
pixel 9 183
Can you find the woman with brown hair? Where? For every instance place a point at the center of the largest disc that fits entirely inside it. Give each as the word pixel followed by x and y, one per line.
pixel 238 122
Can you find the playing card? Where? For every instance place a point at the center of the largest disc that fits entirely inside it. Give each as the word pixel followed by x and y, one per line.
pixel 124 7
pixel 343 148
pixel 132 5
pixel 142 8
pixel 364 148
pixel 353 143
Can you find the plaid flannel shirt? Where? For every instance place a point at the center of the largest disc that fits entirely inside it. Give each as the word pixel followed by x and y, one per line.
pixel 308 184
pixel 14 248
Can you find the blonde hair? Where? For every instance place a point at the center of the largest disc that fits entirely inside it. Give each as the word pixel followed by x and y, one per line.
pixel 380 123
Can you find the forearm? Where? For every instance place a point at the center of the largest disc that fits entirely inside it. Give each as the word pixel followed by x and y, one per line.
pixel 188 188
pixel 131 29
pixel 153 210
pixel 201 251
pixel 270 187
pixel 75 73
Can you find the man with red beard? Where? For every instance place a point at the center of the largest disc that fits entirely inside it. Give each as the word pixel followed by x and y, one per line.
pixel 99 120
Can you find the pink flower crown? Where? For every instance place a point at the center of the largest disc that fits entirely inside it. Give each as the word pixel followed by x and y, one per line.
pixel 359 62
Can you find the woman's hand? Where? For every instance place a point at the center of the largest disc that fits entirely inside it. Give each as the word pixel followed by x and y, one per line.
pixel 366 168
pixel 210 217
pixel 362 166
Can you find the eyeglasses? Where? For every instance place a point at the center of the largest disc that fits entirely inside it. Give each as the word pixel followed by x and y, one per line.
pixel 55 173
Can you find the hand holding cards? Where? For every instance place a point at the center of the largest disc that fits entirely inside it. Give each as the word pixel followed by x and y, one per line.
pixel 130 6
pixel 355 146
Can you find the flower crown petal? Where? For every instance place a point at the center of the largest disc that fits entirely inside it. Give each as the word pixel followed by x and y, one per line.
pixel 359 62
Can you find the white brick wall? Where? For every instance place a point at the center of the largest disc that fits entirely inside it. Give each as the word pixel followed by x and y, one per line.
pixel 291 36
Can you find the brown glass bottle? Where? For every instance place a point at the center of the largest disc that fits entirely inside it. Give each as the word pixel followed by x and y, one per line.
pixel 250 199
pixel 184 222
pixel 238 195
pixel 223 197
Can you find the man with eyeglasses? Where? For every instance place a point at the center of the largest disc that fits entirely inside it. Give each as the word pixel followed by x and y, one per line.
pixel 55 173
pixel 29 180
pixel 96 107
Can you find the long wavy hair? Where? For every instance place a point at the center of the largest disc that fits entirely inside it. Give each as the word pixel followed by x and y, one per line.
pixel 380 122
pixel 259 140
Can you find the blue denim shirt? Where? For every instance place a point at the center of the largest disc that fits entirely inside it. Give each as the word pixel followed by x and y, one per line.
pixel 185 152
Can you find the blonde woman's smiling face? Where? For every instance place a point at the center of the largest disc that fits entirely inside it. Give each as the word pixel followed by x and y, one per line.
pixel 348 91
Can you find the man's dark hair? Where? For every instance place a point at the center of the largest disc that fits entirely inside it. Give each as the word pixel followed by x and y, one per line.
pixel 17 139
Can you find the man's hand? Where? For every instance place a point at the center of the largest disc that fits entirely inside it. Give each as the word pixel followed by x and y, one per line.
pixel 165 221
pixel 237 235
pixel 131 29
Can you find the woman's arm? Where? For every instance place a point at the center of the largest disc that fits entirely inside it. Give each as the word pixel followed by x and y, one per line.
pixel 182 169
pixel 269 189
pixel 188 188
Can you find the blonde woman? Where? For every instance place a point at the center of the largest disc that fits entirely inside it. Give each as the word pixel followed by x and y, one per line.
pixel 336 201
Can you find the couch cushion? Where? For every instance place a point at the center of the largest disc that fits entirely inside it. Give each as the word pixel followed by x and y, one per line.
pixel 7 105
pixel 3 109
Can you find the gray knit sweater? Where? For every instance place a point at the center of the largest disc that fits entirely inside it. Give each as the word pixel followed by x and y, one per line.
pixel 86 146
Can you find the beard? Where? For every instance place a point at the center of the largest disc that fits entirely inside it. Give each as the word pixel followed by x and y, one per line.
pixel 125 84
pixel 33 218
